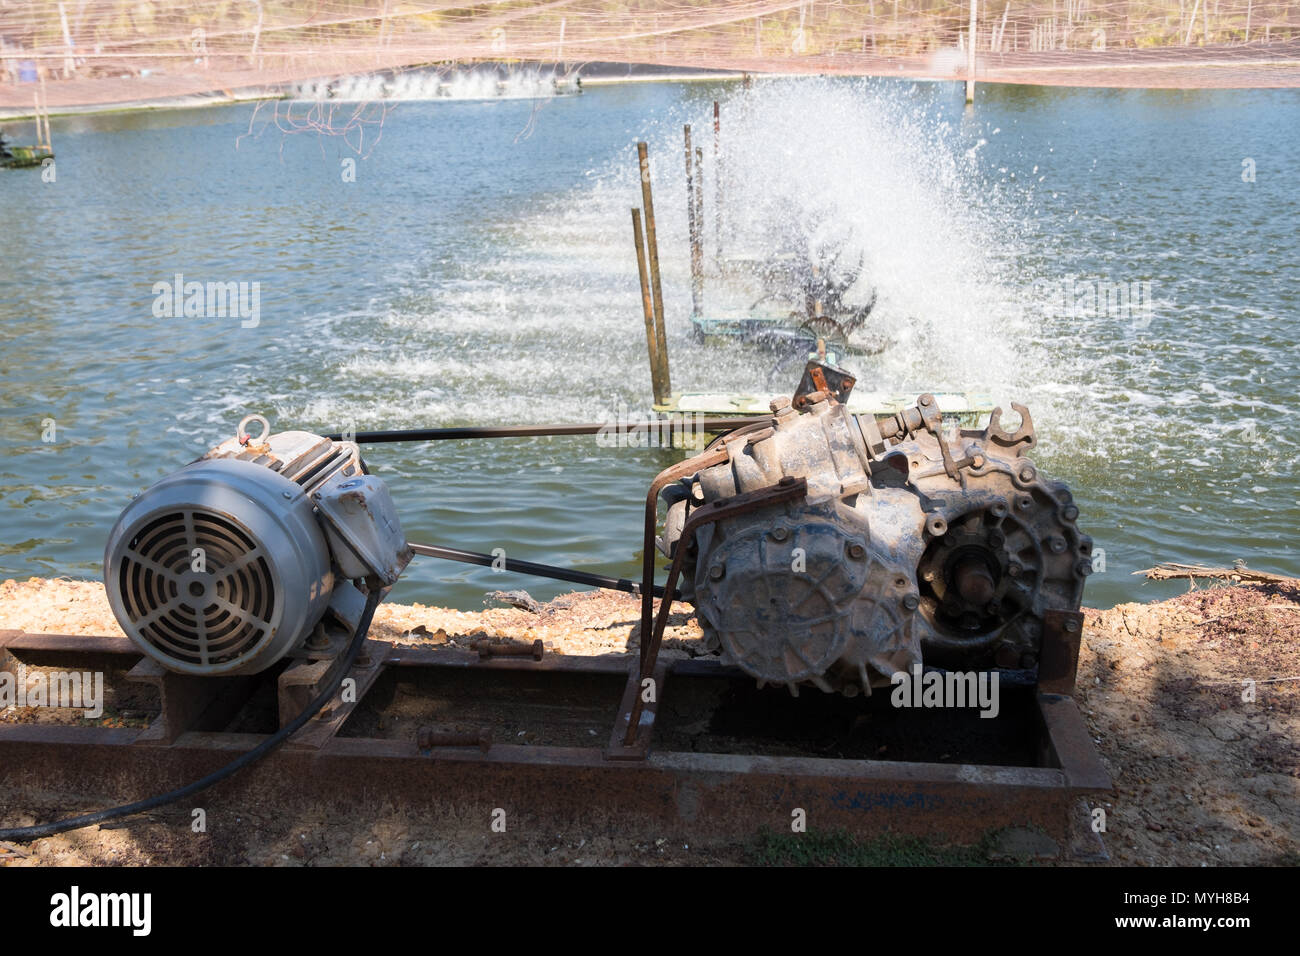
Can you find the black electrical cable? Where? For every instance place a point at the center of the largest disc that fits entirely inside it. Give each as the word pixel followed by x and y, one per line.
pixel 24 834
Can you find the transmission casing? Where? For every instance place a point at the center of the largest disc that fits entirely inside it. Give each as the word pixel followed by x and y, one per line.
pixel 231 563
pixel 917 545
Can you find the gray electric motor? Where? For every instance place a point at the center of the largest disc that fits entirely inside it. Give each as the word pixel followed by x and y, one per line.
pixel 233 562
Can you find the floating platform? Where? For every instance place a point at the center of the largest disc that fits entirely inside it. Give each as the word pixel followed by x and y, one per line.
pixel 969 409
pixel 21 157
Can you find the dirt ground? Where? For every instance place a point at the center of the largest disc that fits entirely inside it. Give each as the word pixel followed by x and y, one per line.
pixel 1194 704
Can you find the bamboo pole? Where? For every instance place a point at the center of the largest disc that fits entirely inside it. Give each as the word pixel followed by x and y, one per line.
pixel 647 306
pixel 970 56
pixel 652 250
pixel 692 226
pixel 1191 24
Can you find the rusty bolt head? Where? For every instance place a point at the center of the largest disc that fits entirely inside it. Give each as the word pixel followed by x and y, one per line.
pixel 1014 569
pixel 926 399
pixel 780 534
pixel 857 552
pixel 1070 625
pixel 1027 473
pixel 911 602
pixel 717 572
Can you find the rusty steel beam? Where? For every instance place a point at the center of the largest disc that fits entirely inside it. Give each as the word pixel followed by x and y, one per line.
pixel 714 794
pixel 717 795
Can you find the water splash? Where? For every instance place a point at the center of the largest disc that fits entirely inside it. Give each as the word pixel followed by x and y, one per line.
pixel 546 322
pixel 425 85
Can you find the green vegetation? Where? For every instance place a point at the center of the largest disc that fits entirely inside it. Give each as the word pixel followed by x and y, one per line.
pixel 840 848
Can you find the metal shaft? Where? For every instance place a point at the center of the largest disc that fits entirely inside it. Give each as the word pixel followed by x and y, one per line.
pixel 717 182
pixel 692 225
pixel 668 426
pixel 529 567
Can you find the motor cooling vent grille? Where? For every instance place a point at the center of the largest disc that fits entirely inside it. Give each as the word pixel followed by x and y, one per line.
pixel 197 588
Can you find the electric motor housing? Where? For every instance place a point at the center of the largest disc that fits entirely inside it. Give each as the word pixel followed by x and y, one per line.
pixel 231 563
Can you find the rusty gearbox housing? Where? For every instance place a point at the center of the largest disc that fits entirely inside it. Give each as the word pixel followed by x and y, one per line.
pixel 916 545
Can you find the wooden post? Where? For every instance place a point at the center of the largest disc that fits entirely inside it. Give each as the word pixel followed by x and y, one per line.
pixel 970 56
pixel 652 250
pixel 1191 24
pixel 647 306
pixel 692 226
pixel 699 218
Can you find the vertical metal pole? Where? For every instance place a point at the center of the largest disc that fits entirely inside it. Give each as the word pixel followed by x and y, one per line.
pixel 692 225
pixel 699 218
pixel 970 56
pixel 717 184
pixel 647 307
pixel 652 249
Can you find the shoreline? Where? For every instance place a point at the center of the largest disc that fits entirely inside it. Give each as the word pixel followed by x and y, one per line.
pixel 1201 776
pixel 637 73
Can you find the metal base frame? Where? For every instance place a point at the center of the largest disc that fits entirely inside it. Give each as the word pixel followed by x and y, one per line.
pixel 712 795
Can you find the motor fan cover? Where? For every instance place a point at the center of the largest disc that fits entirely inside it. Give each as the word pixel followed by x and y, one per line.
pixel 220 568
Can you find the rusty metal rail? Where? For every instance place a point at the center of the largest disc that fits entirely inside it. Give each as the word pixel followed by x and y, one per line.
pixel 722 793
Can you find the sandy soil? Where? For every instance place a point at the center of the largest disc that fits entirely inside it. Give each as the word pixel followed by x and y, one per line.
pixel 1202 776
